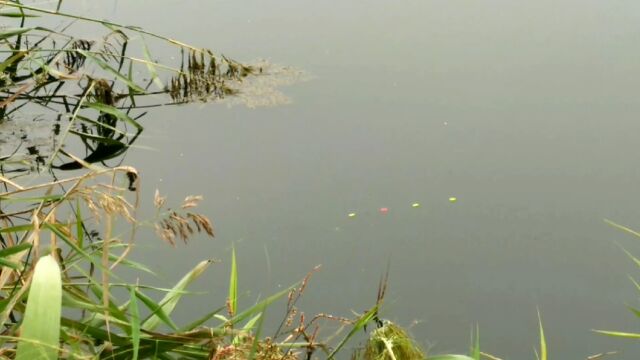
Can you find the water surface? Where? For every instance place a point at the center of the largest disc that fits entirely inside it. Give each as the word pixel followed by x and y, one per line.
pixel 526 111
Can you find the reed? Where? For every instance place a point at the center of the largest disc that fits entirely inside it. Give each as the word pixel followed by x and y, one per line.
pixel 90 91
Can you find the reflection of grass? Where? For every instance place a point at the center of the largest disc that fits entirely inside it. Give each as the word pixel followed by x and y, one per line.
pixel 98 87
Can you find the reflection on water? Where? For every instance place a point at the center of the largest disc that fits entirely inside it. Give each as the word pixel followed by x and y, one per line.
pixel 69 102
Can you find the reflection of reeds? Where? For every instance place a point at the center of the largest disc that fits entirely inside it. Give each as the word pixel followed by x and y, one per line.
pixel 47 67
pixel 92 90
pixel 205 78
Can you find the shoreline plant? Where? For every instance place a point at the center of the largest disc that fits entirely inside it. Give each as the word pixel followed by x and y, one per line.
pixel 90 92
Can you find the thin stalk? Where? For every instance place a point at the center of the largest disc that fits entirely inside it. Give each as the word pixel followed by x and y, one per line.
pixel 103 22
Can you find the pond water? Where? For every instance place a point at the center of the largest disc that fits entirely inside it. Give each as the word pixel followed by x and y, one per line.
pixel 525 111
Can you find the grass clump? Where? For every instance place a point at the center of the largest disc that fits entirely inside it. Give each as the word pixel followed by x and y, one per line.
pixel 390 342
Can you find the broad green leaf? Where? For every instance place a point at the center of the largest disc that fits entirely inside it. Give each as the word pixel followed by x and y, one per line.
pixel 41 324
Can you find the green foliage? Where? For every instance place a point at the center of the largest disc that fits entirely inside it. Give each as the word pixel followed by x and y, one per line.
pixel 390 342
pixel 623 334
pixel 543 341
pixel 233 285
pixel 40 330
pixel 90 89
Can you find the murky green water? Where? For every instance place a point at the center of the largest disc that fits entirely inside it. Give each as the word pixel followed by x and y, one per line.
pixel 526 111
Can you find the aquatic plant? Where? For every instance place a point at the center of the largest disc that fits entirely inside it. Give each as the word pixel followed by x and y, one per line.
pixel 91 92
pixel 390 342
pixel 634 310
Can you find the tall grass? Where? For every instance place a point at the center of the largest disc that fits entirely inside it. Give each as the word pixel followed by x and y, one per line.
pixel 91 91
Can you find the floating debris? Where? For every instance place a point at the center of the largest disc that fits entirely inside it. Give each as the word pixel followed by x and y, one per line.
pixel 383 210
pixel 415 205
pixel 453 199
pixel 351 215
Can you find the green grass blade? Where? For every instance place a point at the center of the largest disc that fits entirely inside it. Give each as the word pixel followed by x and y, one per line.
pixel 449 357
pixel 635 311
pixel 115 112
pixel 7 33
pixel 259 307
pixel 10 264
pixel 201 320
pixel 41 325
pixel 619 334
pixel 79 225
pixel 258 335
pixel 358 326
pixel 171 299
pixel 156 311
pixel 18 56
pixel 475 350
pixel 15 14
pixel 135 323
pixel 543 342
pixel 14 250
pixel 97 333
pixel 233 285
pixel 110 69
pixel 17 228
pixel 623 228
pixel 151 66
